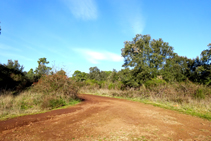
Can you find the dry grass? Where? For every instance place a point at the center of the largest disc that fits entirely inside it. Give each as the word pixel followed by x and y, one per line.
pixel 50 92
pixel 23 103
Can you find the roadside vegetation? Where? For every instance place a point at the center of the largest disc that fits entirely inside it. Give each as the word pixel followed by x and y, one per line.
pixel 34 92
pixel 153 73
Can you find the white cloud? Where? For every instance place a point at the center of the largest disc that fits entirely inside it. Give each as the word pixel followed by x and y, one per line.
pixel 95 57
pixel 83 9
pixel 137 24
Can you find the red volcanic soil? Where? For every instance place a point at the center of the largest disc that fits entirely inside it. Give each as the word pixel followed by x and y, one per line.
pixel 104 118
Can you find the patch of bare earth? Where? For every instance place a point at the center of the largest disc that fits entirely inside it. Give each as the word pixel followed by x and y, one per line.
pixel 103 118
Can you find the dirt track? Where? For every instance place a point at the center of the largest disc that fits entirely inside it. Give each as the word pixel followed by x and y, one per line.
pixel 103 118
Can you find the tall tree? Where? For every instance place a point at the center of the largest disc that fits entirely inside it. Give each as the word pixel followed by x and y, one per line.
pixel 42 68
pixel 145 57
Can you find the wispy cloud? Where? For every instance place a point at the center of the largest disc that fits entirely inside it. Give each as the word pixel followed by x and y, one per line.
pixel 83 9
pixel 6 47
pixel 14 56
pixel 137 24
pixel 95 56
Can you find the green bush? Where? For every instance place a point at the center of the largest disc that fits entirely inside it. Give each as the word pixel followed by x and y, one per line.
pixel 111 86
pixel 154 83
pixel 55 103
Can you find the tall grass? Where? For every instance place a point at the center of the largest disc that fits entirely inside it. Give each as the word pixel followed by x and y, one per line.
pixel 50 92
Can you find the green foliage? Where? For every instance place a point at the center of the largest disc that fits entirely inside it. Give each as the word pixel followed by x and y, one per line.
pixel 55 103
pixel 111 86
pixel 113 76
pixel 94 73
pixel 145 57
pixel 42 69
pixel 25 105
pixel 154 83
pixel 12 77
pixel 79 76
pixel 14 65
pixel 32 76
pixel 148 58
pixel 199 94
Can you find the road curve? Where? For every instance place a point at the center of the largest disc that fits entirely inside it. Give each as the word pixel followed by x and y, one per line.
pixel 105 118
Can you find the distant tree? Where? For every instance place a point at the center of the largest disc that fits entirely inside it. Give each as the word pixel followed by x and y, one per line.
pixel 14 65
pixel 30 74
pixel 206 56
pixel 94 73
pixel 104 75
pixel 114 76
pixel 203 67
pixel 42 68
pixel 79 76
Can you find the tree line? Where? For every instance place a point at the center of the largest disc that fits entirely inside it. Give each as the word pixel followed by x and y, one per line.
pixel 144 59
pixel 12 76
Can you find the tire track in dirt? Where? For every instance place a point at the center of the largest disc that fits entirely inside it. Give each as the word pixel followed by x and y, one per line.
pixel 104 118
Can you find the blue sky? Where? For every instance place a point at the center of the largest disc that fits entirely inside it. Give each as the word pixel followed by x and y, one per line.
pixel 79 34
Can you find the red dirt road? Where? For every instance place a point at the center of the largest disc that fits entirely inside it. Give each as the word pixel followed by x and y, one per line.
pixel 103 118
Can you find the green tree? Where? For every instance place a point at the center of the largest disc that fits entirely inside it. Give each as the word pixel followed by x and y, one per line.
pixel 203 67
pixel 104 75
pixel 177 68
pixel 145 58
pixel 12 76
pixel 114 76
pixel 30 74
pixel 94 73
pixel 42 68
pixel 79 76
pixel 14 65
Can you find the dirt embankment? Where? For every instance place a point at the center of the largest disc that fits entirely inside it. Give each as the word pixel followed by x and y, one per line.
pixel 103 118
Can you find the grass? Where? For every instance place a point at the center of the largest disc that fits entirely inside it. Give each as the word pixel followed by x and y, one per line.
pixel 28 103
pixel 50 92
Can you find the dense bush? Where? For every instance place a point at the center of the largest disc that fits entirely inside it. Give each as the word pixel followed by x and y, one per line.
pixel 56 84
pixel 154 83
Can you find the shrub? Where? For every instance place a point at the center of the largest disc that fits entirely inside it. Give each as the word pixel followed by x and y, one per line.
pixel 55 103
pixel 154 82
pixel 111 86
pixel 56 84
